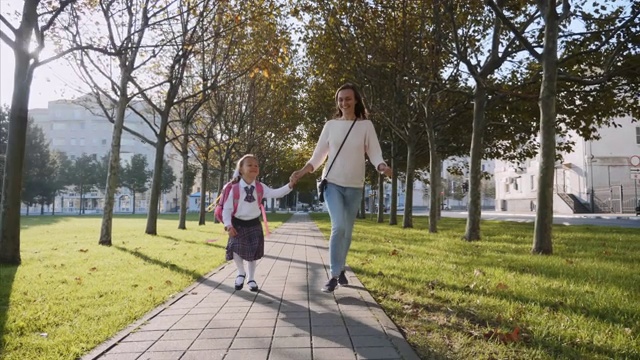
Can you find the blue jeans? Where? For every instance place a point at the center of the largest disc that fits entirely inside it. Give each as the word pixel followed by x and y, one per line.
pixel 343 203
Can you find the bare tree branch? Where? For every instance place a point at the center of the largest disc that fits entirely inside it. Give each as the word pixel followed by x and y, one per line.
pixel 7 40
pixel 8 24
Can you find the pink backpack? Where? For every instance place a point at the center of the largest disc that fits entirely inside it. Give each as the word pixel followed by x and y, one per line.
pixel 235 187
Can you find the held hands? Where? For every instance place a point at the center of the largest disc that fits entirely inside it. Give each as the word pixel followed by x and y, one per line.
pixel 385 169
pixel 296 175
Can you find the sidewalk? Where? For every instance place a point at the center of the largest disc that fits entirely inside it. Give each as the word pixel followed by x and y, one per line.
pixel 289 318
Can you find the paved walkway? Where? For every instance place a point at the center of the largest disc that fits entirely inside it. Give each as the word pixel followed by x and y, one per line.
pixel 289 318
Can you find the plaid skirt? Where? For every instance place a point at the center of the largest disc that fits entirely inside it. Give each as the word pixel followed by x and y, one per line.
pixel 249 242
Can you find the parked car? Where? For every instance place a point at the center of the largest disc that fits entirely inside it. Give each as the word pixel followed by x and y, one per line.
pixel 638 208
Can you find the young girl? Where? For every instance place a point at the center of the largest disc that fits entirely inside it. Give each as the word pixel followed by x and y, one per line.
pixel 246 239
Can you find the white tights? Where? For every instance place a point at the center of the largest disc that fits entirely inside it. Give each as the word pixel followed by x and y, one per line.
pixel 251 267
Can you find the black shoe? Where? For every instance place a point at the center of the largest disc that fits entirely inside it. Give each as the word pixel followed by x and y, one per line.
pixel 331 285
pixel 253 286
pixel 239 287
pixel 342 279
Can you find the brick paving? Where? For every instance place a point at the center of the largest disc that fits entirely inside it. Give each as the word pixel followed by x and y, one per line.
pixel 289 318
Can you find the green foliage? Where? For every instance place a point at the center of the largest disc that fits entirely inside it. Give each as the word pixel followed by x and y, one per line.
pixel 4 128
pixel 456 300
pixel 40 169
pixel 190 175
pixel 135 174
pixel 168 177
pixel 85 175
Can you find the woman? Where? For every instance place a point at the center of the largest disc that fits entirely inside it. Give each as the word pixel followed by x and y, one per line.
pixel 345 179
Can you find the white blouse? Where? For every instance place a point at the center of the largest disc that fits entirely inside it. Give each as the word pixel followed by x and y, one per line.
pixel 249 210
pixel 348 170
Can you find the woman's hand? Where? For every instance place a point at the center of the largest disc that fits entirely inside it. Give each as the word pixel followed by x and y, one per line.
pixel 296 175
pixel 385 169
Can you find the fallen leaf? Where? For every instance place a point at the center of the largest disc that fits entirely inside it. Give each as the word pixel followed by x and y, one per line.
pixel 478 272
pixel 83 250
pixel 394 252
pixel 568 261
pixel 513 336
pixel 168 282
pixel 380 273
pixel 150 288
pixel 502 286
pixel 44 335
pixel 93 269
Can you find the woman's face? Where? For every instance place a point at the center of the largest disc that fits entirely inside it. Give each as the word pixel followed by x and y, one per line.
pixel 346 101
pixel 250 167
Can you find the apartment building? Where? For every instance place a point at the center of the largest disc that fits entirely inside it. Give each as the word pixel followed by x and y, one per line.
pixel 78 127
pixel 453 197
pixel 601 176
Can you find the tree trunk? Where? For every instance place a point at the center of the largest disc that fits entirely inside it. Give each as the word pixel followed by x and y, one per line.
pixel 381 206
pixel 203 207
pixel 114 161
pixel 156 183
pixel 407 222
pixel 472 232
pixel 435 175
pixel 544 210
pixel 184 194
pixel 14 157
pixel 133 204
pixel 393 206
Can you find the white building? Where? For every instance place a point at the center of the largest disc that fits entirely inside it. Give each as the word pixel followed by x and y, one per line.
pixel 453 198
pixel 598 176
pixel 78 127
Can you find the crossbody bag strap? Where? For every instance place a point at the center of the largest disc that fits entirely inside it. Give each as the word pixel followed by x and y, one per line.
pixel 340 148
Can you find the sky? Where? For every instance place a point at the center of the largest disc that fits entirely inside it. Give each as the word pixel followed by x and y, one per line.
pixel 50 82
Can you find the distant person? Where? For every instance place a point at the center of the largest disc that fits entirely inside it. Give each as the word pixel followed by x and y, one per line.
pixel 344 140
pixel 242 220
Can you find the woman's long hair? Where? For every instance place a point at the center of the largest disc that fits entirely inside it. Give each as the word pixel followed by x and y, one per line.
pixel 360 110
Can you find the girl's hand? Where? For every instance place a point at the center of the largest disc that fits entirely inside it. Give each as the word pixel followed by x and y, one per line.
pixel 232 231
pixel 292 184
pixel 295 176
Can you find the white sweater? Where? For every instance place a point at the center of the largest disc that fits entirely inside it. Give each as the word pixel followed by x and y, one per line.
pixel 348 169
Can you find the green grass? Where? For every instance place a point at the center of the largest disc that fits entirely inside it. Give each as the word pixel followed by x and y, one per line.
pixel 450 296
pixel 70 294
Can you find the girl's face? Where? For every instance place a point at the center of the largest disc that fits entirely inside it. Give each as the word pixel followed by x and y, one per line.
pixel 250 168
pixel 346 101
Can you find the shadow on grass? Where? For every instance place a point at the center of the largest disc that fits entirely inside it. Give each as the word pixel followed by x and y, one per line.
pixel 444 314
pixel 165 264
pixel 7 275
pixel 42 220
